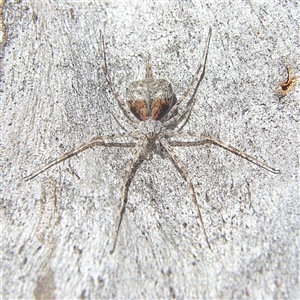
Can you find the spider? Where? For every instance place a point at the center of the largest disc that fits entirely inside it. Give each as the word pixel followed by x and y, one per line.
pixel 152 112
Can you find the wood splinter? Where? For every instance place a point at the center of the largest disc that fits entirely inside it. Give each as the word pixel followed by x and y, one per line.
pixel 284 86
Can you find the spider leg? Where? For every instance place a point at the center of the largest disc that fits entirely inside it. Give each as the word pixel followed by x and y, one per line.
pixel 126 180
pixel 121 102
pixel 202 138
pixel 185 114
pixel 187 178
pixel 200 68
pixel 98 141
pixel 117 117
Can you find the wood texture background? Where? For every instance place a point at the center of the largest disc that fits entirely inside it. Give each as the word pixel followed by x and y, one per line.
pixel 58 227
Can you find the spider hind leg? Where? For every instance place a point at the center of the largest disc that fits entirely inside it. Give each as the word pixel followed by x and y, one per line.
pixel 126 180
pixel 187 178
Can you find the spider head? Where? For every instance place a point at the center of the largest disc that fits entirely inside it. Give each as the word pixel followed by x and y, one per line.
pixel 151 128
pixel 150 98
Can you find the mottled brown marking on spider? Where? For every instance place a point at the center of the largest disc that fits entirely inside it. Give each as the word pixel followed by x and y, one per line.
pixel 284 86
pixel 138 108
pixel 159 108
pixel 149 97
pixel 154 116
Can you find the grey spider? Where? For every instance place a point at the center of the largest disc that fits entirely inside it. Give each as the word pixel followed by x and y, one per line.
pixel 152 112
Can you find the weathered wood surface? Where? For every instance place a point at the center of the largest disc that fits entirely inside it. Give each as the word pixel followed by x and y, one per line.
pixel 58 227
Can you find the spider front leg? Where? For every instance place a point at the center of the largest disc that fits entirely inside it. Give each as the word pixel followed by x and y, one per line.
pixel 129 173
pixel 187 178
pixel 202 138
pixel 121 102
pixel 98 141
pixel 200 70
pixel 119 118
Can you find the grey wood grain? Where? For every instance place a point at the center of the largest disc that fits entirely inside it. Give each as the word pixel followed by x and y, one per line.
pixel 58 227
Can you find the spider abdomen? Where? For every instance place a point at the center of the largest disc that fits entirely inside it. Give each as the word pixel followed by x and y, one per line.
pixel 150 98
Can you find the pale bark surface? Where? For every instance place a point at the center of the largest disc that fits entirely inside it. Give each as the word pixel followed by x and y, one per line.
pixel 58 227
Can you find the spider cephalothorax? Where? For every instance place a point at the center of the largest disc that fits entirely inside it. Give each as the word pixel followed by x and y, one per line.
pixel 152 113
pixel 151 128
